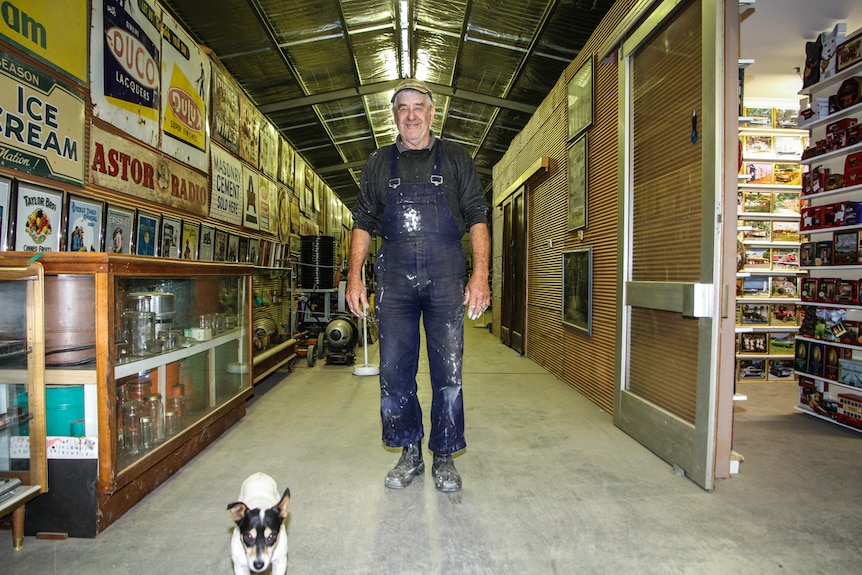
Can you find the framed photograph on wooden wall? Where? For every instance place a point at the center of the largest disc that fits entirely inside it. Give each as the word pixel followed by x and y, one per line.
pixel 147 238
pixel 205 252
pixel 578 289
pixel 220 246
pixel 190 241
pixel 580 99
pixel 578 184
pixel 38 219
pixel 119 226
pixel 84 229
pixel 171 230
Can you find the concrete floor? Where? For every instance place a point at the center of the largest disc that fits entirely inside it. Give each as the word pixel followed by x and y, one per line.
pixel 550 486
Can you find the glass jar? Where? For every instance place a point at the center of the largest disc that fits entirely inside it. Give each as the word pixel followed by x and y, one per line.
pixel 153 409
pixel 140 388
pixel 177 404
pixel 132 432
pixel 171 423
pixel 147 433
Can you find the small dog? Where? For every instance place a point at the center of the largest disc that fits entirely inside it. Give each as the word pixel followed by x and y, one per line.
pixel 259 537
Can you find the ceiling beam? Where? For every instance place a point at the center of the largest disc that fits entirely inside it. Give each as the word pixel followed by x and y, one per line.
pixel 379 87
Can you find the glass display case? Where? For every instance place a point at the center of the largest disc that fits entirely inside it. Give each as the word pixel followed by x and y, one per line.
pixel 23 473
pixel 162 351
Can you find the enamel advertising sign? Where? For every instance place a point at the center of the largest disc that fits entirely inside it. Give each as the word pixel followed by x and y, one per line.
pixel 42 123
pixel 117 163
pixel 126 67
pixel 53 32
pixel 185 93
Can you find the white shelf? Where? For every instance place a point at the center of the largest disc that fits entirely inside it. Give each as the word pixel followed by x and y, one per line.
pixel 155 361
pixel 839 153
pixel 807 411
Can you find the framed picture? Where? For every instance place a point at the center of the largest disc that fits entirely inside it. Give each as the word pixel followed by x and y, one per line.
pixel 578 289
pixel 119 227
pixel 220 246
pixel 148 234
pixel 580 99
pixel 205 252
pixel 849 52
pixel 171 229
pixel 232 248
pixel 5 201
pixel 242 250
pixel 84 227
pixel 38 219
pixel 254 251
pixel 578 184
pixel 190 240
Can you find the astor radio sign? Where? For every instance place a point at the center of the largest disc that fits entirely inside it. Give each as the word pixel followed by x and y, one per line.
pixel 119 164
pixel 41 123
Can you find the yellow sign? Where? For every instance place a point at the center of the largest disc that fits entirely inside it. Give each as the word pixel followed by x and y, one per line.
pixel 55 32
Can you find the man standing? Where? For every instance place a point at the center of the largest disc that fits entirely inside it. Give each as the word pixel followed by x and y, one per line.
pixel 421 195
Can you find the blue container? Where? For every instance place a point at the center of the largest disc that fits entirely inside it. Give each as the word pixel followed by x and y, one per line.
pixel 63 406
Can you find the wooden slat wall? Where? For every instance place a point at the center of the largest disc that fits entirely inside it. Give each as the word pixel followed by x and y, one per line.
pixel 584 362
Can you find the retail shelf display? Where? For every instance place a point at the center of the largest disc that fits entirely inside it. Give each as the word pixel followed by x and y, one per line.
pixel 828 347
pixel 768 240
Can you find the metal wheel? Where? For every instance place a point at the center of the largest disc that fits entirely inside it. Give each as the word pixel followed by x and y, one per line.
pixel 311 354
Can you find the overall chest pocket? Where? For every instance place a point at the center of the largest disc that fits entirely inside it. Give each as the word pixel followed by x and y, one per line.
pixel 416 214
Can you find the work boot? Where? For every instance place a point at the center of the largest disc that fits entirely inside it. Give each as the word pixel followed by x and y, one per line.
pixel 446 477
pixel 409 466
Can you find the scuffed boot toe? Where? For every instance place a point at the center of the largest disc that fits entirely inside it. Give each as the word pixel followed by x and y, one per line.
pixel 409 466
pixel 446 477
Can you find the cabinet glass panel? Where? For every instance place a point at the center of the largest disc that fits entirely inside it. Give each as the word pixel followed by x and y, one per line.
pixel 18 404
pixel 180 352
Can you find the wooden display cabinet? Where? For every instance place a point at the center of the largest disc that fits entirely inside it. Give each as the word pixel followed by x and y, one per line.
pixel 23 468
pixel 99 334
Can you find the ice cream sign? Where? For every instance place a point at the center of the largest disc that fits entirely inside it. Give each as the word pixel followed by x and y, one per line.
pixel 41 123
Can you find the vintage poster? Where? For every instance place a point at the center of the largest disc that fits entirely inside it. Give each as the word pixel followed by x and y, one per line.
pixel 190 240
pixel 251 195
pixel 148 234
pixel 170 237
pixel 205 251
pixel 225 110
pixel 53 32
pixel 268 205
pixel 125 66
pixel 220 246
pixel 38 220
pixel 268 149
pixel 249 131
pixel 119 227
pixel 285 163
pixel 185 93
pixel 43 123
pixel 227 199
pixel 84 231
pixel 122 165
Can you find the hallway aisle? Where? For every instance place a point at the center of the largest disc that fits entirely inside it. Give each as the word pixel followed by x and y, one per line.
pixel 550 486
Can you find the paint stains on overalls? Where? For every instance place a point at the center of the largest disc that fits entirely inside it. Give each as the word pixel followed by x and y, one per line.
pixel 420 271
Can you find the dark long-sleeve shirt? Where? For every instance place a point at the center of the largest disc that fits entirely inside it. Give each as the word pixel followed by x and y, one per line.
pixel 461 184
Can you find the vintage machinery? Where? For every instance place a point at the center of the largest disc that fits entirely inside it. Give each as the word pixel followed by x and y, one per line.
pixel 340 338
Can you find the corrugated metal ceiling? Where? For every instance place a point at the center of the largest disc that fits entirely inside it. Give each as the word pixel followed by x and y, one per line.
pixel 323 71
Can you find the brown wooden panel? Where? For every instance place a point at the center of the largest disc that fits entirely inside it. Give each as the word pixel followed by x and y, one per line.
pixel 655 374
pixel 666 209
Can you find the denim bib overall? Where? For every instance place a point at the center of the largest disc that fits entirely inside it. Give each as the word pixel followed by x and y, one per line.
pixel 420 270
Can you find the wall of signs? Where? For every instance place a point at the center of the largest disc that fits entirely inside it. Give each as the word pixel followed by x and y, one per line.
pixel 175 146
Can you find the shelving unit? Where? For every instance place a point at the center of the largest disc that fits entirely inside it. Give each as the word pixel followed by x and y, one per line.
pixel 768 271
pixel 828 351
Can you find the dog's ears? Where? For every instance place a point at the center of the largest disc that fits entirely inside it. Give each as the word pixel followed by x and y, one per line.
pixel 281 506
pixel 237 511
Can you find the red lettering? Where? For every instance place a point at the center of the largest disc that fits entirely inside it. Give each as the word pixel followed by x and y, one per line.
pixel 98 159
pixel 113 165
pixel 148 177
